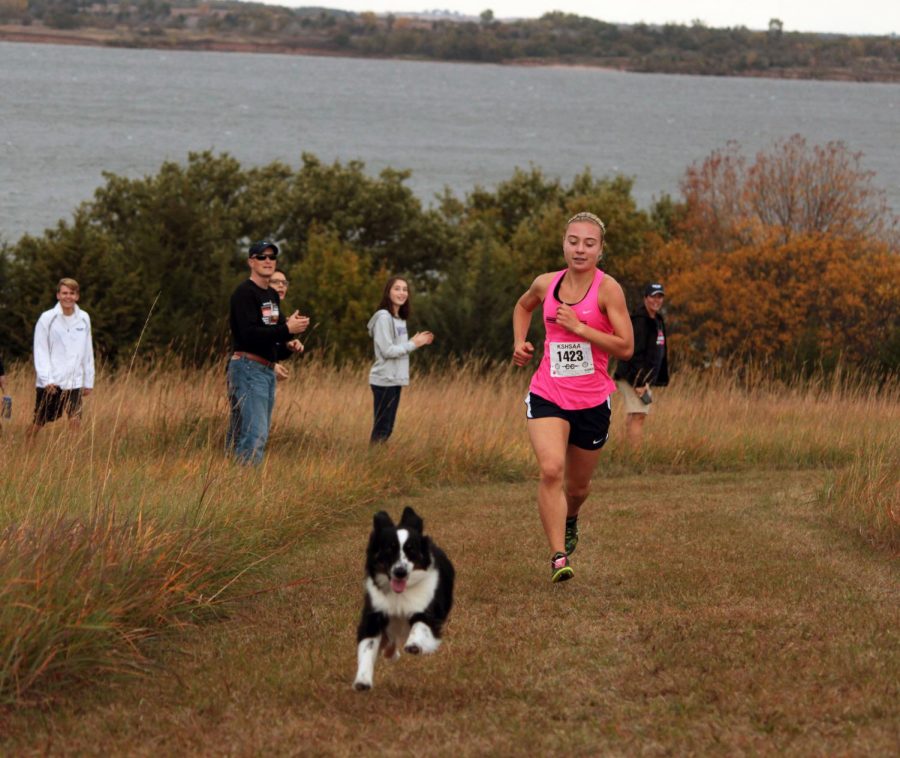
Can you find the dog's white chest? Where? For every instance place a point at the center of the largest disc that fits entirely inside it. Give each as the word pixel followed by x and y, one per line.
pixel 415 599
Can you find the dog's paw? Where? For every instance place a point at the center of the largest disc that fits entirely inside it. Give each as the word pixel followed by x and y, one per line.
pixel 361 686
pixel 421 640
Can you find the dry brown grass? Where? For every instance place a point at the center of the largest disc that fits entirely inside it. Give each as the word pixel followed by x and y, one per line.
pixel 865 496
pixel 713 613
pixel 146 477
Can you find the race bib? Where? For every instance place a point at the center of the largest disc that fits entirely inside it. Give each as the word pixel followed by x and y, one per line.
pixel 571 359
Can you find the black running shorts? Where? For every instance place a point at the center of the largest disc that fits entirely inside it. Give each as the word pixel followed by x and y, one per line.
pixel 49 406
pixel 588 428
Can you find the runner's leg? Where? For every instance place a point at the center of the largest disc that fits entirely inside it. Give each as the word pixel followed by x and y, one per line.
pixel 580 465
pixel 549 438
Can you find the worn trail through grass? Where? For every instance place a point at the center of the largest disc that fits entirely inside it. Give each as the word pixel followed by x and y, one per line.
pixel 710 614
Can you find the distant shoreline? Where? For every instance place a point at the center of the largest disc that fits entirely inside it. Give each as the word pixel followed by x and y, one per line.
pixel 100 38
pixel 194 42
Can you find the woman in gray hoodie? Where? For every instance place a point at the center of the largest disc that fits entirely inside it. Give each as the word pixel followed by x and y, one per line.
pixel 390 372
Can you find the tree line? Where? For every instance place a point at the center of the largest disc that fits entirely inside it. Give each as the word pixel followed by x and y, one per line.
pixel 554 37
pixel 787 258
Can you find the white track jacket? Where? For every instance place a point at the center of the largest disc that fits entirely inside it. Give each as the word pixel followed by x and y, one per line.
pixel 63 350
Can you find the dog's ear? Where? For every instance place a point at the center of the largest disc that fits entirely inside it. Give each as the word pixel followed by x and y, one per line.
pixel 411 520
pixel 382 521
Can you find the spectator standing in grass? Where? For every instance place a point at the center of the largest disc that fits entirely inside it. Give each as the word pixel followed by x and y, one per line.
pixel 279 282
pixel 568 402
pixel 390 372
pixel 63 359
pixel 649 366
pixel 261 336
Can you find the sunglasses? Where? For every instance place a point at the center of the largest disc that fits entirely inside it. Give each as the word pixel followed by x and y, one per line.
pixel 265 257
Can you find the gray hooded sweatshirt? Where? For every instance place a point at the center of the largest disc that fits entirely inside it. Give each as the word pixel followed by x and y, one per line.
pixel 392 349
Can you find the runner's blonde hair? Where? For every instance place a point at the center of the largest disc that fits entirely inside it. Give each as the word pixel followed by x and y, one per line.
pixel 66 282
pixel 589 217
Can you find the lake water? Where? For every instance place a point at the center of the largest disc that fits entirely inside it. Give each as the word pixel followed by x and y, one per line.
pixel 69 113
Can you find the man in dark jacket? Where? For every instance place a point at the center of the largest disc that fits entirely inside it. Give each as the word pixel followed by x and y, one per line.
pixel 649 366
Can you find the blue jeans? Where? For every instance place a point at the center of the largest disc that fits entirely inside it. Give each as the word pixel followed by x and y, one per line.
pixel 251 393
pixel 386 402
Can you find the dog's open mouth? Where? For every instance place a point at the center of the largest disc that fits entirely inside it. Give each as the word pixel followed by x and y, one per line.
pixel 398 585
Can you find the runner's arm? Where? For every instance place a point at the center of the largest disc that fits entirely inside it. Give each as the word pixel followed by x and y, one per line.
pixel 611 299
pixel 523 350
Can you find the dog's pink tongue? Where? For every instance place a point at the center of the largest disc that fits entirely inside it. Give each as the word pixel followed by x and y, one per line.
pixel 398 585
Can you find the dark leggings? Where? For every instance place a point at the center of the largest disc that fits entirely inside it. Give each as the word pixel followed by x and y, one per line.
pixel 387 400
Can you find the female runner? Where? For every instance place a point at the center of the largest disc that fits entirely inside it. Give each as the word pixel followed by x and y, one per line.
pixel 568 403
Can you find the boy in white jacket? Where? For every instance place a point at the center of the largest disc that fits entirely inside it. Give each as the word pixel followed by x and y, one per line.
pixel 63 358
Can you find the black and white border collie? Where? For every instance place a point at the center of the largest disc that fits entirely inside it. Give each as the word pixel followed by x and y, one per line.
pixel 409 592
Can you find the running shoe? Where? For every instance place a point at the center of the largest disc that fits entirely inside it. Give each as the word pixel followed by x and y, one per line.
pixel 571 534
pixel 560 570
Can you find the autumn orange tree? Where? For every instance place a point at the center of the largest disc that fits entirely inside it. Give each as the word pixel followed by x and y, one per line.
pixel 792 189
pixel 789 259
pixel 811 301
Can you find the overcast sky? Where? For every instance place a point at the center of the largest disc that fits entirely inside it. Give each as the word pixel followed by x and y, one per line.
pixel 846 16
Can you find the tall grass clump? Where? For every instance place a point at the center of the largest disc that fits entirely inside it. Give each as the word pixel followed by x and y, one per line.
pixel 78 597
pixel 865 495
pixel 137 524
pixel 724 420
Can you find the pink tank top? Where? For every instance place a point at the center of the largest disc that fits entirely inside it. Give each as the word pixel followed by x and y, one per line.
pixel 573 372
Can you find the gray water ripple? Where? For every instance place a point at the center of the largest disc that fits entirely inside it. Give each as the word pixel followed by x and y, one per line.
pixel 69 113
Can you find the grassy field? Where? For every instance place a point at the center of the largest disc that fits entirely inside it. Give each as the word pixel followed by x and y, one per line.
pixel 736 586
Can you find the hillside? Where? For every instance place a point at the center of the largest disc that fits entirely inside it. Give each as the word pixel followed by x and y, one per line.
pixel 555 38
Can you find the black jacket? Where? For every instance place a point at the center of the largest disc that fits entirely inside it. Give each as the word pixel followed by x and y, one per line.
pixel 639 369
pixel 257 323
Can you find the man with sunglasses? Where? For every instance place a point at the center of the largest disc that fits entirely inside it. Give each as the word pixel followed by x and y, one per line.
pixel 648 366
pixel 261 336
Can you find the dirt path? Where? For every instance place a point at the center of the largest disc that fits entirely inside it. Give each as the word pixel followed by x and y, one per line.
pixel 710 614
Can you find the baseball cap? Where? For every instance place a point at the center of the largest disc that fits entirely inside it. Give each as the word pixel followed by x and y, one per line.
pixel 653 289
pixel 260 247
